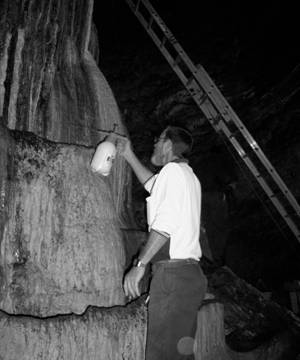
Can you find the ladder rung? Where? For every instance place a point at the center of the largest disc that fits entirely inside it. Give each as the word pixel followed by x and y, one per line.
pixel 195 92
pixel 163 41
pixel 177 60
pixel 201 98
pixel 216 121
pixel 150 23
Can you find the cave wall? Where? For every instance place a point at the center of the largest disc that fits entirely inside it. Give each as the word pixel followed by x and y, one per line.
pixel 61 245
pixel 101 334
pixel 43 50
pixel 62 227
pixel 50 83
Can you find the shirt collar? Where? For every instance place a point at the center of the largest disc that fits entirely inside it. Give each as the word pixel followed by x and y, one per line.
pixel 180 160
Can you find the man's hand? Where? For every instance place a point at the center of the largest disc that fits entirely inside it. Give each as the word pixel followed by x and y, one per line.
pixel 132 280
pixel 124 148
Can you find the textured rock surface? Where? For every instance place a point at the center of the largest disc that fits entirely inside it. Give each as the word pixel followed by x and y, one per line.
pixel 44 79
pixel 253 322
pixel 61 238
pixel 61 244
pixel 50 83
pixel 99 334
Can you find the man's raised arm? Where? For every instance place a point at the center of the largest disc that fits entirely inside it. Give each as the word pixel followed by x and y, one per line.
pixel 142 173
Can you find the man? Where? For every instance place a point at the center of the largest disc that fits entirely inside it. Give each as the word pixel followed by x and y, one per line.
pixel 173 214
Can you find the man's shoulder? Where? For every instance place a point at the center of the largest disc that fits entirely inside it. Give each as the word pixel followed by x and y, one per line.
pixel 171 167
pixel 177 167
pixel 172 172
pixel 179 170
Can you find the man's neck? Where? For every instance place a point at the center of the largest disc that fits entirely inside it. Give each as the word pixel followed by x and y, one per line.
pixel 169 158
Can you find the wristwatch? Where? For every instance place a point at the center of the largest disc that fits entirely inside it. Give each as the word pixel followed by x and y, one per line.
pixel 137 263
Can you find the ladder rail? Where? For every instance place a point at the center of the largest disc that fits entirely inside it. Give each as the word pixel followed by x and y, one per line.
pixel 210 114
pixel 277 204
pixel 231 115
pixel 263 183
pixel 213 104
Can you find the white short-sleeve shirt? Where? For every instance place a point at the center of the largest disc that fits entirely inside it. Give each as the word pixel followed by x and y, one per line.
pixel 174 207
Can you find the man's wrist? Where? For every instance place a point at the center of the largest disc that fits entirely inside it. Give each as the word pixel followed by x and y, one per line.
pixel 138 263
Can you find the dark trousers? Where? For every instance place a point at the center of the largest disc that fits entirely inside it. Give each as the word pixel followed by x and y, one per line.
pixel 176 292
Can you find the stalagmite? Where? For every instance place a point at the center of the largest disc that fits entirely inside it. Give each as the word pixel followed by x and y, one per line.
pixel 63 228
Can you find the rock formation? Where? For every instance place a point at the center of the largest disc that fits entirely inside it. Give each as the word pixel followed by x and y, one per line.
pixel 62 227
pixel 255 327
pixel 61 244
pixel 117 333
pixel 50 83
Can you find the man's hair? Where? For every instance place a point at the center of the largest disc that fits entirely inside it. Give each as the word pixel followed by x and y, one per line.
pixel 181 139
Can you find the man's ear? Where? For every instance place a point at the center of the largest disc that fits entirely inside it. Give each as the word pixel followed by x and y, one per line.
pixel 168 146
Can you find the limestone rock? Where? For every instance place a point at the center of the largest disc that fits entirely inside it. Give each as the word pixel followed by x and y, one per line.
pixel 61 243
pixel 117 333
pixel 252 322
pixel 50 83
pixel 44 81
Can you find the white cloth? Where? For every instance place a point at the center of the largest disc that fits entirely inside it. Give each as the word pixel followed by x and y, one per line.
pixel 174 207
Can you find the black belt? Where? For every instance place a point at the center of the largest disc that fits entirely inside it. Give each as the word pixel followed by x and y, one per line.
pixel 179 261
pixel 174 263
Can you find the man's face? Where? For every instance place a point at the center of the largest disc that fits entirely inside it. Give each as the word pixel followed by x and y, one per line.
pixel 159 150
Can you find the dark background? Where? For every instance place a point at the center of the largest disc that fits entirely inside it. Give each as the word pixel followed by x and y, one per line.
pixel 244 46
pixel 263 36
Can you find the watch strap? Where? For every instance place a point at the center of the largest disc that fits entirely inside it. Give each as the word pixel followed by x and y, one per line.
pixel 137 263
